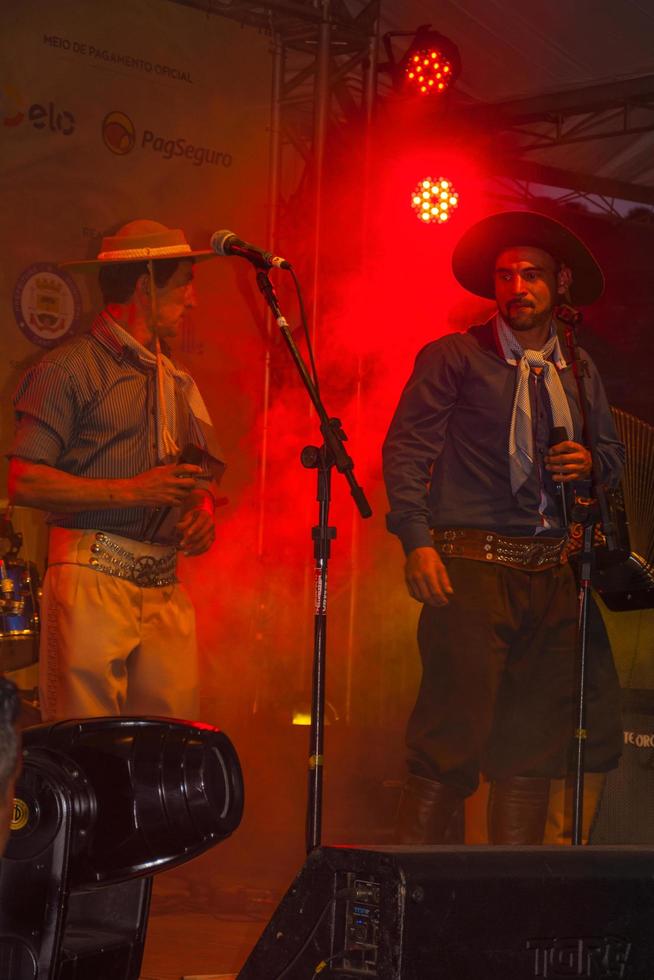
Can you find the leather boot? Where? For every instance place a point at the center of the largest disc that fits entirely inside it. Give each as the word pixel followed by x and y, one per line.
pixel 517 810
pixel 426 812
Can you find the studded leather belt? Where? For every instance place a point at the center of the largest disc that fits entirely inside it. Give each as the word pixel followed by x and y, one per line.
pixel 144 564
pixel 532 554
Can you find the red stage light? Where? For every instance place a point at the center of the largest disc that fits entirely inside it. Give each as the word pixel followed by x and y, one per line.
pixel 428 71
pixel 434 201
pixel 431 63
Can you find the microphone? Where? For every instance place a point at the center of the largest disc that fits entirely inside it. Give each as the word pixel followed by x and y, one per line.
pixel 226 243
pixel 557 435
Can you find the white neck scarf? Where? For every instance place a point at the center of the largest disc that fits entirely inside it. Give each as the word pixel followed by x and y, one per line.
pixel 169 380
pixel 521 433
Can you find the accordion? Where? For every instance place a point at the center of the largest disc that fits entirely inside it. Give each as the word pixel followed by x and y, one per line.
pixel 624 565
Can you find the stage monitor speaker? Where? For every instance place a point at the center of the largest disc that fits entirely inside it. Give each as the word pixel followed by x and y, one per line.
pixel 626 810
pixel 101 805
pixel 463 913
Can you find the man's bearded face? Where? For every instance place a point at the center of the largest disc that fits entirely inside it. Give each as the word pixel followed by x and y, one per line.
pixel 527 286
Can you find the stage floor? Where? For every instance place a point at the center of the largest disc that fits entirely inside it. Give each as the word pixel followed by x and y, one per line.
pixel 202 929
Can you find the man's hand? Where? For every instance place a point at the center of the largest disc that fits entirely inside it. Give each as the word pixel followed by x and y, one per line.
pixel 38 485
pixel 165 485
pixel 426 577
pixel 568 461
pixel 197 531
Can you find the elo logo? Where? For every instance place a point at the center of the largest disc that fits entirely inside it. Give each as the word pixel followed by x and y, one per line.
pixel 13 113
pixel 57 122
pixel 118 133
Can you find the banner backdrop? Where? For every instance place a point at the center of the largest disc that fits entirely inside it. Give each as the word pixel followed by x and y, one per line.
pixel 110 112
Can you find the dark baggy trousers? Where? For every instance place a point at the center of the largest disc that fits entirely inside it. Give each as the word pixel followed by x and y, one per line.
pixel 499 678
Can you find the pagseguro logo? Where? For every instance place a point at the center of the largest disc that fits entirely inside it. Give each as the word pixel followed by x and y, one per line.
pixel 118 132
pixel 180 147
pixel 119 135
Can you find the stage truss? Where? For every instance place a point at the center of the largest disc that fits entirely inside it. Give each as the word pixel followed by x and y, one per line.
pixel 325 78
pixel 325 75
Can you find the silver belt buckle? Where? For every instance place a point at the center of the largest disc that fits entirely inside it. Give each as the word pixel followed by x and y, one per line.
pixel 146 571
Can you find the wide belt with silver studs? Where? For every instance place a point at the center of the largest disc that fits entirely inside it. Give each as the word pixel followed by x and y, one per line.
pixel 147 570
pixel 533 554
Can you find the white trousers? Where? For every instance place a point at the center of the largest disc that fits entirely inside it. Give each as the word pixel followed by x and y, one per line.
pixel 110 647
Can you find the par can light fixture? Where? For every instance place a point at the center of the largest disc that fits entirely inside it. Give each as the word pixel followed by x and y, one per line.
pixel 434 201
pixel 429 66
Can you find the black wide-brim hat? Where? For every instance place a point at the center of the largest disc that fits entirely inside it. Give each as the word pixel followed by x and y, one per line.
pixel 473 259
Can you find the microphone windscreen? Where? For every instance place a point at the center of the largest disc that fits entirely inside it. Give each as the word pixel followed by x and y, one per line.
pixel 219 240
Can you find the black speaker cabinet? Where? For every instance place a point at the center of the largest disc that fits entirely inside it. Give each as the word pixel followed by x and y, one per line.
pixel 626 811
pixel 100 806
pixel 463 913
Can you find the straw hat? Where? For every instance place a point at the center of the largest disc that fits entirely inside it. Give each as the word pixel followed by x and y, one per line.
pixel 141 241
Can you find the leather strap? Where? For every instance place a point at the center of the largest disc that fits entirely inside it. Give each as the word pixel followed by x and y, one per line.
pixel 530 553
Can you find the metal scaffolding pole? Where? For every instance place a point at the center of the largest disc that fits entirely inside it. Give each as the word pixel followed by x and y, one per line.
pixel 369 99
pixel 273 217
pixel 321 110
pixel 312 55
pixel 324 75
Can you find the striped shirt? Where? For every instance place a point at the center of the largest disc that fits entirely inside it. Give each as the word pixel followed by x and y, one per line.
pixel 88 407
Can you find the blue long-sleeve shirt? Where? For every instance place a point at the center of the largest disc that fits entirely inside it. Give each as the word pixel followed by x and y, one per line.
pixel 446 461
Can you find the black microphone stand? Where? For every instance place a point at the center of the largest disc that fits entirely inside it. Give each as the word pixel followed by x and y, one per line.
pixel 588 514
pixel 321 458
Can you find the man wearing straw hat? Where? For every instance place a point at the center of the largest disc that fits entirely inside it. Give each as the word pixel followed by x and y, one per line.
pixel 473 481
pixel 103 422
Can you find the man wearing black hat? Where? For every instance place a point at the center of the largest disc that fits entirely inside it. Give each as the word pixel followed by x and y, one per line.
pixel 473 483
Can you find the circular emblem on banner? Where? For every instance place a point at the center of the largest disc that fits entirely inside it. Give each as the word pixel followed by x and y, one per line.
pixel 47 304
pixel 118 133
pixel 20 814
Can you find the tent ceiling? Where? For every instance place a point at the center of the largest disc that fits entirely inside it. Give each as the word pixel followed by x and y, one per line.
pixel 535 57
pixel 544 52
pixel 513 49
